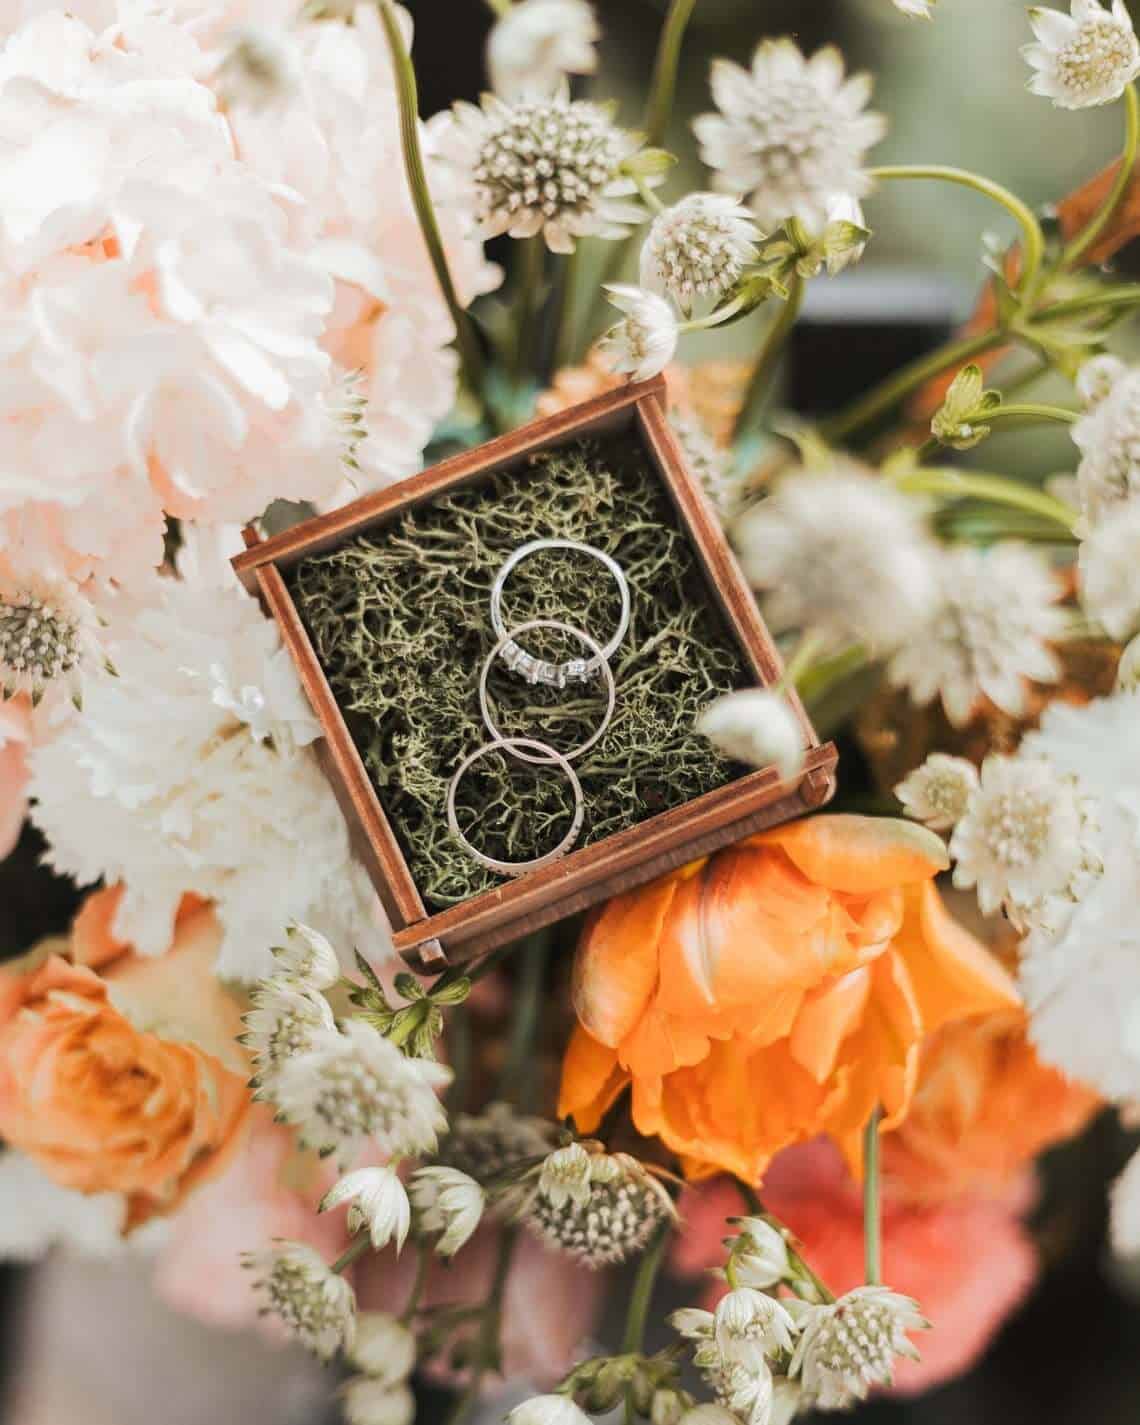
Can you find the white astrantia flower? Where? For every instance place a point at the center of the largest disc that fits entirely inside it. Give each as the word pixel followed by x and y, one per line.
pixel 448 1202
pixel 839 552
pixel 987 633
pixel 284 1019
pixel 646 341
pixel 1096 378
pixel 376 1402
pixel 306 958
pixel 741 1381
pixel 1124 1215
pixel 49 637
pixel 191 771
pixel 359 1088
pixel 849 1346
pixel 346 407
pixel 938 792
pixel 791 132
pixel 1085 58
pixel 843 240
pixel 487 1144
pixel 749 1326
pixel 698 248
pixel 711 463
pixel 757 727
pixel 548 1410
pixel 377 1200
pixel 544 166
pixel 1109 564
pixel 383 1347
pixel 759 1254
pixel 259 69
pixel 603 1221
pixel 1026 833
pixel 537 43
pixel 565 1176
pixel 315 1304
pixel 1108 437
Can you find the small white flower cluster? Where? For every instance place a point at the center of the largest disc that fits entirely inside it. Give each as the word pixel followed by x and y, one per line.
pixel 537 43
pixel 484 1146
pixel 316 1304
pixel 1108 485
pixel 599 1207
pixel 1084 58
pixel 384 1352
pixel 698 249
pixel 48 639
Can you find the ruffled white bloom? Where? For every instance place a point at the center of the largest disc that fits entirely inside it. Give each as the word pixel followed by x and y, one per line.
pixel 755 727
pixel 646 341
pixel 606 1220
pixel 1110 570
pixel 841 553
pixel 1124 1218
pixel 260 69
pixel 358 1087
pixel 377 1200
pixel 550 166
pixel 548 1410
pixel 791 132
pixel 384 1348
pixel 306 958
pixel 987 633
pixel 850 1345
pixel 1024 836
pixel 759 1254
pixel 191 771
pixel 285 1019
pixel 565 1176
pixel 36 1214
pixel 532 48
pixel 1085 58
pixel 698 249
pixel 749 1326
pixel 315 1304
pixel 376 1402
pixel 938 792
pixel 1108 437
pixel 1096 378
pixel 449 1202
pixel 48 639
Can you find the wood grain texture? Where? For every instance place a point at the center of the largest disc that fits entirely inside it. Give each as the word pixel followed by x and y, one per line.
pixel 629 858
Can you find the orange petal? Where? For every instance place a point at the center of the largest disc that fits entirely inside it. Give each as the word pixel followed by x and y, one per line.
pixel 93 940
pixel 859 854
pixel 660 1043
pixel 615 969
pixel 952 972
pixel 828 1016
pixel 591 1081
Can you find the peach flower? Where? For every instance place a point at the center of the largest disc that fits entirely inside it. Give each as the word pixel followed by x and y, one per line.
pixel 970 1263
pixel 778 990
pixel 126 1081
pixel 14 735
pixel 984 1107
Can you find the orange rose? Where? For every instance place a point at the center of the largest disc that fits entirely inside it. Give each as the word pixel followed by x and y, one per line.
pixel 127 1081
pixel 779 990
pixel 985 1106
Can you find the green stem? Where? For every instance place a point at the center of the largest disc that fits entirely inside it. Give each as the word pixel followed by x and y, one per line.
pixel 895 389
pixel 459 1057
pixel 466 340
pixel 821 677
pixel 566 340
pixel 647 195
pixel 872 1216
pixel 637 1313
pixel 994 489
pixel 663 85
pixel 1123 296
pixel 1100 220
pixel 354 1252
pixel 516 1082
pixel 529 279
pixel 1033 239
pixel 423 1263
pixel 801 660
pixel 774 339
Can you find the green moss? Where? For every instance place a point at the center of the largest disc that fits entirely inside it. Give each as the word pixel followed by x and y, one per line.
pixel 400 620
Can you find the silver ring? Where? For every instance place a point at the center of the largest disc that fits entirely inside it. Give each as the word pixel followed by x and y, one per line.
pixel 517 868
pixel 594 648
pixel 576 670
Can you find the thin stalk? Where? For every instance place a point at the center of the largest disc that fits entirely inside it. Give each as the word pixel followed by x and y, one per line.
pixel 774 339
pixel 516 1081
pixel 1124 296
pixel 994 489
pixel 802 658
pixel 354 1252
pixel 647 195
pixel 1100 220
pixel 896 388
pixel 566 321
pixel 530 276
pixel 872 1215
pixel 423 1263
pixel 1033 239
pixel 637 1313
pixel 663 85
pixel 487 1344
pixel 469 352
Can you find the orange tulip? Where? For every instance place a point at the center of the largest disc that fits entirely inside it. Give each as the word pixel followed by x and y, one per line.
pixel 778 990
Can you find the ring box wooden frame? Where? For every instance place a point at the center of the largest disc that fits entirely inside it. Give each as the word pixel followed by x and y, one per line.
pixel 429 941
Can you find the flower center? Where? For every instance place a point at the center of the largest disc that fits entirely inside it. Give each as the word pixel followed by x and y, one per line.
pixel 550 158
pixel 37 640
pixel 1018 827
pixel 1101 52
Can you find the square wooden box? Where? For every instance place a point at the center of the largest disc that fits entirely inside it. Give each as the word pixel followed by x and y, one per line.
pixel 430 941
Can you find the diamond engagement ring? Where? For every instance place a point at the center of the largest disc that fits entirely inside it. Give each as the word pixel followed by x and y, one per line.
pixel 539 670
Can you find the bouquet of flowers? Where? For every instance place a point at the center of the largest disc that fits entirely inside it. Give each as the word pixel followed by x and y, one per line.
pixel 247 283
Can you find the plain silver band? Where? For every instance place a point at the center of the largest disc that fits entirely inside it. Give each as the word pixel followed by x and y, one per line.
pixel 577 669
pixel 518 868
pixel 594 648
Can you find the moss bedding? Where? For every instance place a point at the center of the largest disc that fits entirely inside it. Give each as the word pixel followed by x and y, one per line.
pixel 400 621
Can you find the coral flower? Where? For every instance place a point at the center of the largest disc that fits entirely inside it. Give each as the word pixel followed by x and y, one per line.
pixel 778 990
pixel 125 1081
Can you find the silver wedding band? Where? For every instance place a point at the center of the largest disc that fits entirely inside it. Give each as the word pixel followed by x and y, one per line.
pixel 575 670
